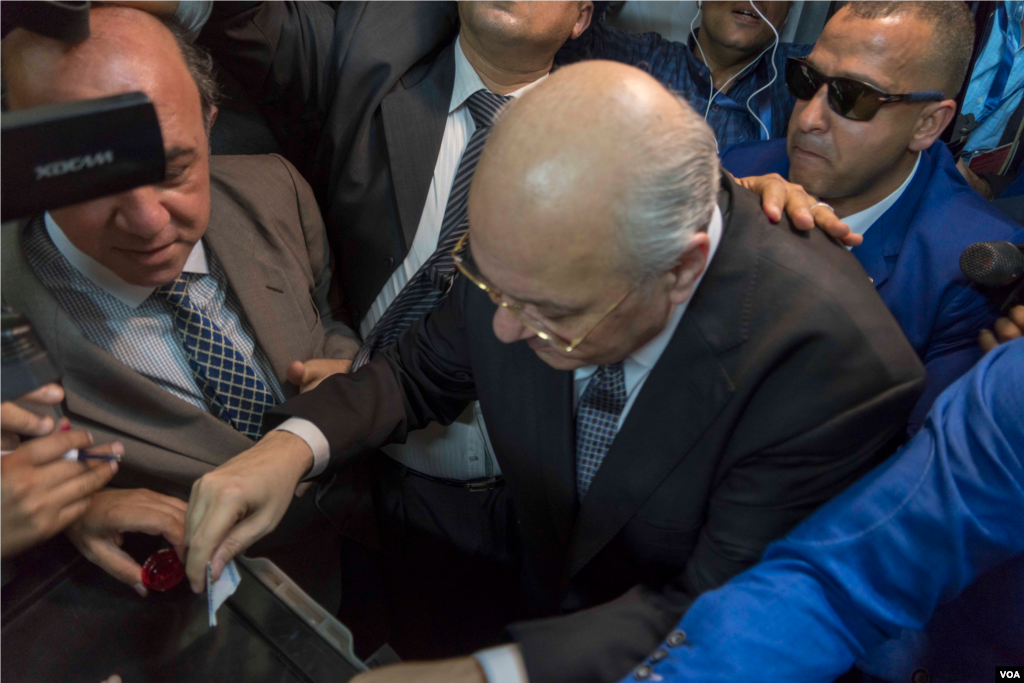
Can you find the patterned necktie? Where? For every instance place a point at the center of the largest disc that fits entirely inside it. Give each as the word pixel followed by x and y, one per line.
pixel 597 421
pixel 433 279
pixel 228 382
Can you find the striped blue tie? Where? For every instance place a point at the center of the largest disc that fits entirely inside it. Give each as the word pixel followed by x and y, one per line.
pixel 228 382
pixel 597 421
pixel 434 278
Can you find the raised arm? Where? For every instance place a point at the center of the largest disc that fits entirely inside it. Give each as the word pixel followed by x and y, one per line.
pixel 879 558
pixel 425 377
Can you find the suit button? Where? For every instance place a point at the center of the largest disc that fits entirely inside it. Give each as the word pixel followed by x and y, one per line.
pixel 920 676
pixel 389 261
pixel 676 638
pixel 643 672
pixel 659 655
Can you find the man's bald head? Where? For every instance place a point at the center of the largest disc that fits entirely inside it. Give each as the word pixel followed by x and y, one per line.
pixel 38 70
pixel 592 183
pixel 608 142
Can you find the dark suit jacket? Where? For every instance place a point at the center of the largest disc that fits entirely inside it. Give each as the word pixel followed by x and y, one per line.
pixel 358 100
pixel 782 381
pixel 913 258
pixel 265 231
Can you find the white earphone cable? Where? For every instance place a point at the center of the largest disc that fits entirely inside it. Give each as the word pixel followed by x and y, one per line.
pixel 711 79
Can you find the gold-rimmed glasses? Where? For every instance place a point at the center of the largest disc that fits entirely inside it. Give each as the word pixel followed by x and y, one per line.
pixel 464 262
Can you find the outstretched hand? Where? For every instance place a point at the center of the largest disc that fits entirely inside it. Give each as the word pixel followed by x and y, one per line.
pixel 99 532
pixel 308 375
pixel 1005 329
pixel 240 502
pixel 779 195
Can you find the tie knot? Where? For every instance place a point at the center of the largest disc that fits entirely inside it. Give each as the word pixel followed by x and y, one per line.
pixel 175 289
pixel 484 106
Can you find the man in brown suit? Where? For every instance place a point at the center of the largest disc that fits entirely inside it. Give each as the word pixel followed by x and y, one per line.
pixel 128 293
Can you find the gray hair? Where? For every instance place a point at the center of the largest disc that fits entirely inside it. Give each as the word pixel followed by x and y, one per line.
pixel 672 196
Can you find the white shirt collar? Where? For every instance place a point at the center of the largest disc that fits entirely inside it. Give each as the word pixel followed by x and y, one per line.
pixel 648 354
pixel 104 278
pixel 467 80
pixel 862 220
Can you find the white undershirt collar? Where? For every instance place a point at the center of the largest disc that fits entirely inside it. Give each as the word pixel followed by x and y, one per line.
pixel 862 220
pixel 648 354
pixel 468 81
pixel 104 278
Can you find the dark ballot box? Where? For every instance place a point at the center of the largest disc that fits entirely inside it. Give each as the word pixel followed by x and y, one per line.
pixel 65 620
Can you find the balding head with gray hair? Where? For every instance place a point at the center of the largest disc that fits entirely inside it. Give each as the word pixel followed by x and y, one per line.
pixel 596 184
pixel 672 195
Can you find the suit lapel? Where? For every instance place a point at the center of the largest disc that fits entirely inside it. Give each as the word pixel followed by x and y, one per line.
pixel 680 399
pixel 682 396
pixel 882 243
pixel 100 388
pixel 414 122
pixel 267 298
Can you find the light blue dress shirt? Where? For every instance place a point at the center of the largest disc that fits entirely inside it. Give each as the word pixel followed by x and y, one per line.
pixel 987 135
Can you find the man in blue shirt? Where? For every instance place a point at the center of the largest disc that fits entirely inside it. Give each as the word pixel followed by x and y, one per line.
pixel 880 165
pixel 731 58
pixel 990 161
pixel 876 562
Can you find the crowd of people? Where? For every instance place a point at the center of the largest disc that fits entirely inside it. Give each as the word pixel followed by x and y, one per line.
pixel 541 350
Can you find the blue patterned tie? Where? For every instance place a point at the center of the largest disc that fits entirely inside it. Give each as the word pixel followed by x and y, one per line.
pixel 228 382
pixel 597 421
pixel 433 280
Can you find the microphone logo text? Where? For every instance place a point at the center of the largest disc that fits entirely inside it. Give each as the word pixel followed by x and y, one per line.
pixel 59 168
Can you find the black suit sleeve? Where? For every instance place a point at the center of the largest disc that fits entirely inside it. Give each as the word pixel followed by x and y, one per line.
pixel 424 377
pixel 279 52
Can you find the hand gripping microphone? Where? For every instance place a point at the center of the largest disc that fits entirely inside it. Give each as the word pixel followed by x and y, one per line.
pixel 998 266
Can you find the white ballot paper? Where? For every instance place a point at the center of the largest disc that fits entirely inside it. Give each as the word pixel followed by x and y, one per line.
pixel 219 591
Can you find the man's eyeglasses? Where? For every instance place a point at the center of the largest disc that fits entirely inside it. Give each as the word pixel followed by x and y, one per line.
pixel 849 98
pixel 464 262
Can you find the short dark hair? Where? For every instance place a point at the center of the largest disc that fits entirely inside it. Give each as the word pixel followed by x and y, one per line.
pixel 200 67
pixel 197 60
pixel 952 24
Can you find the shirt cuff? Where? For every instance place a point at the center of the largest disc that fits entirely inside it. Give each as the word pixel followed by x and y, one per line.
pixel 503 664
pixel 192 15
pixel 314 438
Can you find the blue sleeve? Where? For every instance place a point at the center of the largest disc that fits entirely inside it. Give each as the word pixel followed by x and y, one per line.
pixel 880 557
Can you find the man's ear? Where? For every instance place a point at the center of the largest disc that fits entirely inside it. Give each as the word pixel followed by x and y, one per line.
pixel 688 268
pixel 583 19
pixel 933 120
pixel 211 118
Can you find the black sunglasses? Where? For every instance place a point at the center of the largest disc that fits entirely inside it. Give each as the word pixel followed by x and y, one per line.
pixel 849 98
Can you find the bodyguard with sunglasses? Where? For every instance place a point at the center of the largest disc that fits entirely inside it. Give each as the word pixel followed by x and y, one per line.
pixel 872 99
pixel 669 381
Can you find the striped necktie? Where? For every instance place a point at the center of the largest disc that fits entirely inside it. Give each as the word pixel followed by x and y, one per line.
pixel 597 421
pixel 433 279
pixel 236 394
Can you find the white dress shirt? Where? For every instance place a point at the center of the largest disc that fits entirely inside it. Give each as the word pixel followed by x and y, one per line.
pixel 861 221
pixel 134 327
pixel 504 664
pixel 462 450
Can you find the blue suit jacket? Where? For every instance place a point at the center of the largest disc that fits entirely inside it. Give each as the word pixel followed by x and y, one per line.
pixel 913 255
pixel 874 563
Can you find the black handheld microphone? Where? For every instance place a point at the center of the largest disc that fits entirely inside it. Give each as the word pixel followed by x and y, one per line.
pixel 63 154
pixel 998 266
